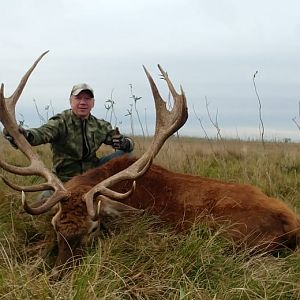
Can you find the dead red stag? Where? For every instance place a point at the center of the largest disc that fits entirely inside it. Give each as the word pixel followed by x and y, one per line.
pixel 128 185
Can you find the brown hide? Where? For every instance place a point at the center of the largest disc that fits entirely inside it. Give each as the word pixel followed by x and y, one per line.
pixel 255 219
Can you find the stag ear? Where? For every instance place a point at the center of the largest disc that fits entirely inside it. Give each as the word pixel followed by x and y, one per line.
pixel 111 208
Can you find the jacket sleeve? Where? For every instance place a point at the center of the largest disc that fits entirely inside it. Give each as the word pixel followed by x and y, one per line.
pixel 48 132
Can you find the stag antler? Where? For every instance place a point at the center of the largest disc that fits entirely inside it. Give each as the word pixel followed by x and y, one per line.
pixel 167 123
pixel 36 167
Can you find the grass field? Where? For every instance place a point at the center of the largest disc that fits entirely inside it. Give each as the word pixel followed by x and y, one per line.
pixel 146 259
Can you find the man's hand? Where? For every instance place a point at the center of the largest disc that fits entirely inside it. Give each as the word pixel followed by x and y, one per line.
pixel 11 139
pixel 120 142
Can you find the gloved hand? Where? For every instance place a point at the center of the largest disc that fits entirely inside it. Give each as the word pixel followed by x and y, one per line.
pixel 11 139
pixel 120 142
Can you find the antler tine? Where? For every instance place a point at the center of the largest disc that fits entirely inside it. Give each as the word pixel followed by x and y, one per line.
pixel 8 105
pixel 177 97
pixel 167 123
pixel 31 188
pixel 36 167
pixel 12 100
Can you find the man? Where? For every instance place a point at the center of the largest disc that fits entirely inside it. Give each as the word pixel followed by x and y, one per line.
pixel 75 135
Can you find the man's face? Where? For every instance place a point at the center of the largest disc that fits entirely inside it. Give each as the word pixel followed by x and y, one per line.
pixel 82 104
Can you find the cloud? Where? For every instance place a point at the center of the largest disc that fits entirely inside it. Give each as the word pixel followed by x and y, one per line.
pixel 212 48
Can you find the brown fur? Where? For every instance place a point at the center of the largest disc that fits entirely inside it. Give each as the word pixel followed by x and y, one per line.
pixel 255 219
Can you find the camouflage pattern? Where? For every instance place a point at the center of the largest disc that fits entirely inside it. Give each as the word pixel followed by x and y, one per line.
pixel 74 142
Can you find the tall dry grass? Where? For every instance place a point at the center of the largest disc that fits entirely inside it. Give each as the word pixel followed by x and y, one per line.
pixel 146 259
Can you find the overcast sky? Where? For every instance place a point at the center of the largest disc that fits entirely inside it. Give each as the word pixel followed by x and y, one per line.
pixel 212 48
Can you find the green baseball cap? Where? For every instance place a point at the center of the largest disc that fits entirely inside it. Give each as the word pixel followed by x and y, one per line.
pixel 77 88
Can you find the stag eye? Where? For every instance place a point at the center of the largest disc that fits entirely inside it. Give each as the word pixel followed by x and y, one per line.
pixel 94 227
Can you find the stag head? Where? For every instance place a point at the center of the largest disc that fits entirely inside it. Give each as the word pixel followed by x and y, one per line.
pixel 81 203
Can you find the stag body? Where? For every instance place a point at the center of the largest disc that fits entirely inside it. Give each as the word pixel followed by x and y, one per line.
pixel 255 220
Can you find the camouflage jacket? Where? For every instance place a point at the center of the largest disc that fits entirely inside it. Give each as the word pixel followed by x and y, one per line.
pixel 74 142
